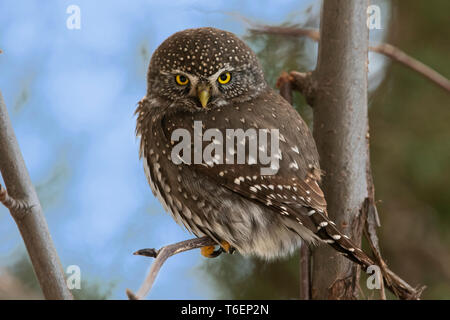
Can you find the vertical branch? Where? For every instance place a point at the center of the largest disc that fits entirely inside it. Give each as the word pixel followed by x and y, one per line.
pixel 284 84
pixel 21 199
pixel 340 128
pixel 305 272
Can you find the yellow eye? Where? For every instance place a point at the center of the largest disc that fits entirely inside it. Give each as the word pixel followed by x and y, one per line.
pixel 181 80
pixel 224 78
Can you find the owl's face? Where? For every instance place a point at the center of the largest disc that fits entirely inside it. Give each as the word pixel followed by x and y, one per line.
pixel 203 68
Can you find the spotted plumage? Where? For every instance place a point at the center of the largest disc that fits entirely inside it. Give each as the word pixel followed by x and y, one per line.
pixel 263 215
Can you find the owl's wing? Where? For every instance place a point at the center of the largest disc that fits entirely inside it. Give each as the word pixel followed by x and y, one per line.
pixel 294 190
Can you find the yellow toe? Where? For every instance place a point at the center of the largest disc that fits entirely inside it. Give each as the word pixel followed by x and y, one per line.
pixel 225 246
pixel 208 251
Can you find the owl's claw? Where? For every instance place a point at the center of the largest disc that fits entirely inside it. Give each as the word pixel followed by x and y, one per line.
pixel 211 252
pixel 226 247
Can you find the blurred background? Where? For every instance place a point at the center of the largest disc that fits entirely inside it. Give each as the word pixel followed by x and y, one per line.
pixel 71 95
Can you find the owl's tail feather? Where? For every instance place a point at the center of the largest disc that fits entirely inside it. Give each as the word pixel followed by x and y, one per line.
pixel 330 234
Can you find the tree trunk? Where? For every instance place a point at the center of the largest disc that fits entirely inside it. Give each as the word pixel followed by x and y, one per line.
pixel 340 130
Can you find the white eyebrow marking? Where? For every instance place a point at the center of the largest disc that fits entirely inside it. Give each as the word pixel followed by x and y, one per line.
pixel 218 73
pixel 213 78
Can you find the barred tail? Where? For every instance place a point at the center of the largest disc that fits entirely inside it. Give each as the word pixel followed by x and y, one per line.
pixel 329 233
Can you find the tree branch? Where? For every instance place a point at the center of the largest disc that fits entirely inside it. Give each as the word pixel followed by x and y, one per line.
pixel 400 56
pixel 285 83
pixel 300 81
pixel 161 256
pixel 22 201
pixel 305 272
pixel 383 48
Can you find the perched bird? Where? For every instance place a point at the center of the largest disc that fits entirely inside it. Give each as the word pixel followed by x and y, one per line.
pixel 210 77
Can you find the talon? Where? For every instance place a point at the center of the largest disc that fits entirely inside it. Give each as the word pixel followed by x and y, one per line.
pixel 210 251
pixel 226 247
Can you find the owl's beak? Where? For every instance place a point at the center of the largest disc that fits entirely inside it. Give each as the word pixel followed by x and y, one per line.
pixel 204 94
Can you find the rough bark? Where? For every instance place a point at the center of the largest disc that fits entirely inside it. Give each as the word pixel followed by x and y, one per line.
pixel 28 214
pixel 340 129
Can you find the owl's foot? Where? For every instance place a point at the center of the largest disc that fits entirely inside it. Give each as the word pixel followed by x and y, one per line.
pixel 226 247
pixel 211 252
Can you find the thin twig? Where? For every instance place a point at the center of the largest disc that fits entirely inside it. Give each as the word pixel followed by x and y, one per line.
pixel 383 48
pixel 372 219
pixel 313 34
pixel 415 65
pixel 161 256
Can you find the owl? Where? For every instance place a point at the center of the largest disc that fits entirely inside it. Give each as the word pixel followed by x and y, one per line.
pixel 207 80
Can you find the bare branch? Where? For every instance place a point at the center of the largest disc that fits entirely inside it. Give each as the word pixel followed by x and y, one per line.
pixel 415 65
pixel 161 256
pixel 286 31
pixel 305 272
pixel 383 48
pixel 22 201
pixel 285 84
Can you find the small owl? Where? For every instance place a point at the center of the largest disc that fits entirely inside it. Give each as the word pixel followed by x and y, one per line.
pixel 209 79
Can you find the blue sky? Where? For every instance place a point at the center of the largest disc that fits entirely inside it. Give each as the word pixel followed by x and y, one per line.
pixel 71 95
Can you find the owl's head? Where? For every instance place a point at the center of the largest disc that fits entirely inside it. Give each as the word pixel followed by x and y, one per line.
pixel 203 68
